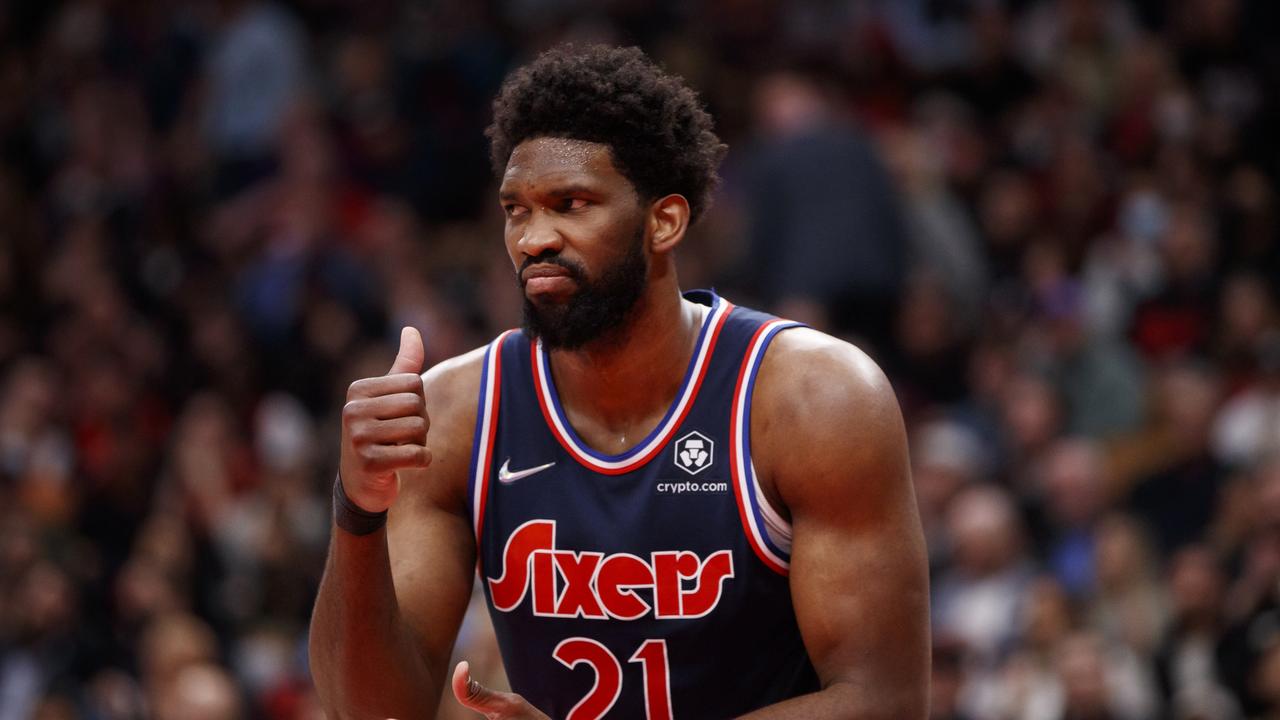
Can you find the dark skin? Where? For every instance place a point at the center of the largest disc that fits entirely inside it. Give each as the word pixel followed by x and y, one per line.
pixel 827 440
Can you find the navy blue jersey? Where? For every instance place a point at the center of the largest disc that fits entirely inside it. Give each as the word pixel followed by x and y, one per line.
pixel 647 584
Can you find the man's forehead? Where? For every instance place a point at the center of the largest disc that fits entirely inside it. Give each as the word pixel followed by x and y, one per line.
pixel 548 155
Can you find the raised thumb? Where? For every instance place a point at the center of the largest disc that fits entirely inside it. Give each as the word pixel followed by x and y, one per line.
pixel 411 355
pixel 475 696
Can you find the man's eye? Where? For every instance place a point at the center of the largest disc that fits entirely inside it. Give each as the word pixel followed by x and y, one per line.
pixel 573 204
pixel 514 210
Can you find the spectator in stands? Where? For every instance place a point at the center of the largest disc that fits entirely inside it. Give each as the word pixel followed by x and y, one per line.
pixel 1073 500
pixel 984 587
pixel 827 241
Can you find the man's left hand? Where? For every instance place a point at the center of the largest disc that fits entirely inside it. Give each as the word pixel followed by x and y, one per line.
pixel 493 704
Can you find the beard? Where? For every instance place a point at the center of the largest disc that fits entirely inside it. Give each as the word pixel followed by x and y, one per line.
pixel 598 310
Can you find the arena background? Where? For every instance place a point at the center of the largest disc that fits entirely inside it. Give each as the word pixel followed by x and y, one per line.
pixel 1054 223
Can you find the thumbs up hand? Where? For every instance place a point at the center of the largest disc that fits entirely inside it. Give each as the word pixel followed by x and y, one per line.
pixel 384 428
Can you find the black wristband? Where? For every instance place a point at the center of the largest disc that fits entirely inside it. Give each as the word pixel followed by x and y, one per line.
pixel 351 517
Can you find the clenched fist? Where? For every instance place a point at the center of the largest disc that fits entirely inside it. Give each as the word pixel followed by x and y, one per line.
pixel 384 428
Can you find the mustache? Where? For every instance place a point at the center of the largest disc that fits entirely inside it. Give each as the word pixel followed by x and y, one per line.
pixel 575 271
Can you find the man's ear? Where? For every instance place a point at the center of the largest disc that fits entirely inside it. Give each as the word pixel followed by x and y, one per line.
pixel 668 220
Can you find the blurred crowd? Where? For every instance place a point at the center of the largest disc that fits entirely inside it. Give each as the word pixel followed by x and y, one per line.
pixel 1055 223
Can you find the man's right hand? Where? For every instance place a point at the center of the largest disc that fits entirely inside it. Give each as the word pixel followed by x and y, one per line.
pixel 384 428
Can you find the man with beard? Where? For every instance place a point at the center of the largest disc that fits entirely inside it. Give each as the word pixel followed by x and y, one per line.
pixel 676 507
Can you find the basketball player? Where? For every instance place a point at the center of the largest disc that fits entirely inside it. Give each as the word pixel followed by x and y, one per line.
pixel 678 508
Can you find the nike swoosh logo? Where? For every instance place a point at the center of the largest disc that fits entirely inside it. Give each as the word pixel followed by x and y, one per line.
pixel 506 476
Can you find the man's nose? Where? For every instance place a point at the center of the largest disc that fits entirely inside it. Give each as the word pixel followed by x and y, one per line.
pixel 540 235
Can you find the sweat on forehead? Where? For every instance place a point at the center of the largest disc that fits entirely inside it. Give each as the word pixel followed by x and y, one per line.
pixel 568 150
pixel 566 153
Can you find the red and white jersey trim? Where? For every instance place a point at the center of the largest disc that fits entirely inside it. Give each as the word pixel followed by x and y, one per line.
pixel 775 527
pixel 661 435
pixel 486 428
pixel 768 534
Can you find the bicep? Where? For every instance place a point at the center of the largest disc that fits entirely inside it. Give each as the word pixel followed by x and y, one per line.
pixel 859 577
pixel 860 591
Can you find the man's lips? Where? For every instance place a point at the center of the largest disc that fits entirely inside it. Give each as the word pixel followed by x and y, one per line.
pixel 545 278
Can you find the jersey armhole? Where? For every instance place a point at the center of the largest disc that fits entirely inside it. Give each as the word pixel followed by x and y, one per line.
pixel 777 529
pixel 767 532
pixel 486 429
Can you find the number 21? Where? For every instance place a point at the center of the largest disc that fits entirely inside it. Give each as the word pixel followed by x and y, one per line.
pixel 652 656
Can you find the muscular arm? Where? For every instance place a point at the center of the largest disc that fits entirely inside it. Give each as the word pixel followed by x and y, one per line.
pixel 828 437
pixel 390 603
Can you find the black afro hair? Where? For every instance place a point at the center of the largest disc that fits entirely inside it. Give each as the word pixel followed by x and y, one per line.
pixel 660 136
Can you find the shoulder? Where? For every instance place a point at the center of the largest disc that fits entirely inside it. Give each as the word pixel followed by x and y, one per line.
pixel 824 418
pixel 452 386
pixel 817 379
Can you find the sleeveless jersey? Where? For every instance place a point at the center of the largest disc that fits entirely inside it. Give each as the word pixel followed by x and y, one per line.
pixel 651 584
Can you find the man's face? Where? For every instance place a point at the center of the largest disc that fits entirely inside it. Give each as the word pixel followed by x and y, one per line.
pixel 575 230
